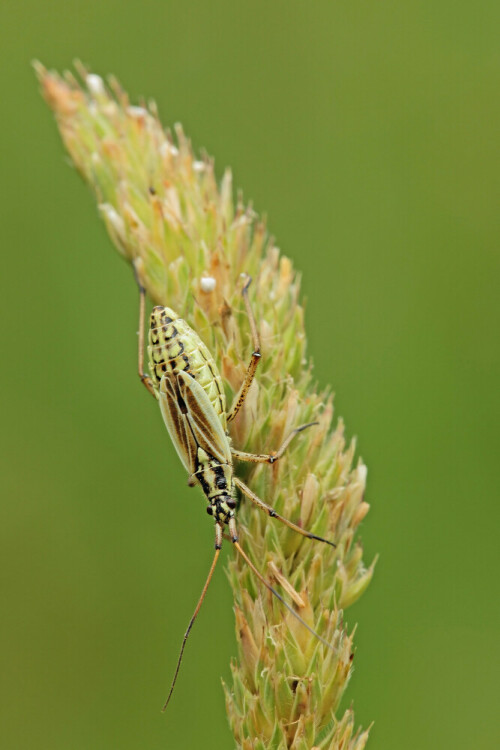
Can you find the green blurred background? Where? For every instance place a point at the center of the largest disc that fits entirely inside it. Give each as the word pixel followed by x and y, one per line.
pixel 368 132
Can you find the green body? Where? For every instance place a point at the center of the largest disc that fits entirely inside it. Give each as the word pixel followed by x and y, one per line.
pixel 174 346
pixel 189 389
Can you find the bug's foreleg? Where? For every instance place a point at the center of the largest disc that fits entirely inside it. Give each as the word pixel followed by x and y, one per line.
pixel 272 513
pixel 145 379
pixel 256 355
pixel 270 458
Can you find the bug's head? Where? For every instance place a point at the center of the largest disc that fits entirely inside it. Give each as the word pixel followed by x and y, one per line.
pixel 222 508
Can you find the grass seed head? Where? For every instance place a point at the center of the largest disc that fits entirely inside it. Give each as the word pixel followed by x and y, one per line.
pixel 166 212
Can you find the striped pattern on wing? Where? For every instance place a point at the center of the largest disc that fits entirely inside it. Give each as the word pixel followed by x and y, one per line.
pixel 191 420
pixel 177 423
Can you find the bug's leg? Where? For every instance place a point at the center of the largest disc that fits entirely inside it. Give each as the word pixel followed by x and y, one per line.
pixel 275 593
pixel 142 313
pixel 272 513
pixel 270 458
pixel 256 355
pixel 218 543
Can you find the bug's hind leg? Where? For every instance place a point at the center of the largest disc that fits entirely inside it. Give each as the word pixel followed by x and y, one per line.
pixel 145 379
pixel 271 458
pixel 272 513
pixel 256 355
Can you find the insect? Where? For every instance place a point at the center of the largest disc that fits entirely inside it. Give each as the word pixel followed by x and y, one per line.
pixel 186 382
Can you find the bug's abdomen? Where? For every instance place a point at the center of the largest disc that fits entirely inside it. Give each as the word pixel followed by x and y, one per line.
pixel 174 346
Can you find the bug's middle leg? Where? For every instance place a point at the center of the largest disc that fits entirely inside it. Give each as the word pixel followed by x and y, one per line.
pixel 270 458
pixel 256 355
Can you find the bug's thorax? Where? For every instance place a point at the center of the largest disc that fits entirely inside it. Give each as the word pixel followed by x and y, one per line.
pixel 215 478
pixel 216 481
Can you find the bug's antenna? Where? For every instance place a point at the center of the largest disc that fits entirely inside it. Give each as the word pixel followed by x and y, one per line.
pixel 191 623
pixel 278 596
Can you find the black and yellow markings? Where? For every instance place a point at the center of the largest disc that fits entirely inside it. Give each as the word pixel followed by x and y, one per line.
pixel 186 382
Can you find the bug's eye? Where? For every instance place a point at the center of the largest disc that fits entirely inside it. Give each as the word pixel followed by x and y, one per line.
pixel 210 510
pixel 231 503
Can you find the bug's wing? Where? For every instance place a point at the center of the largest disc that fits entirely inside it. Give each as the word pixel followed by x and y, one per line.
pixel 205 424
pixel 178 427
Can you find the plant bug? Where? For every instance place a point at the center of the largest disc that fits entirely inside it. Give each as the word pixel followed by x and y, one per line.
pixel 186 382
